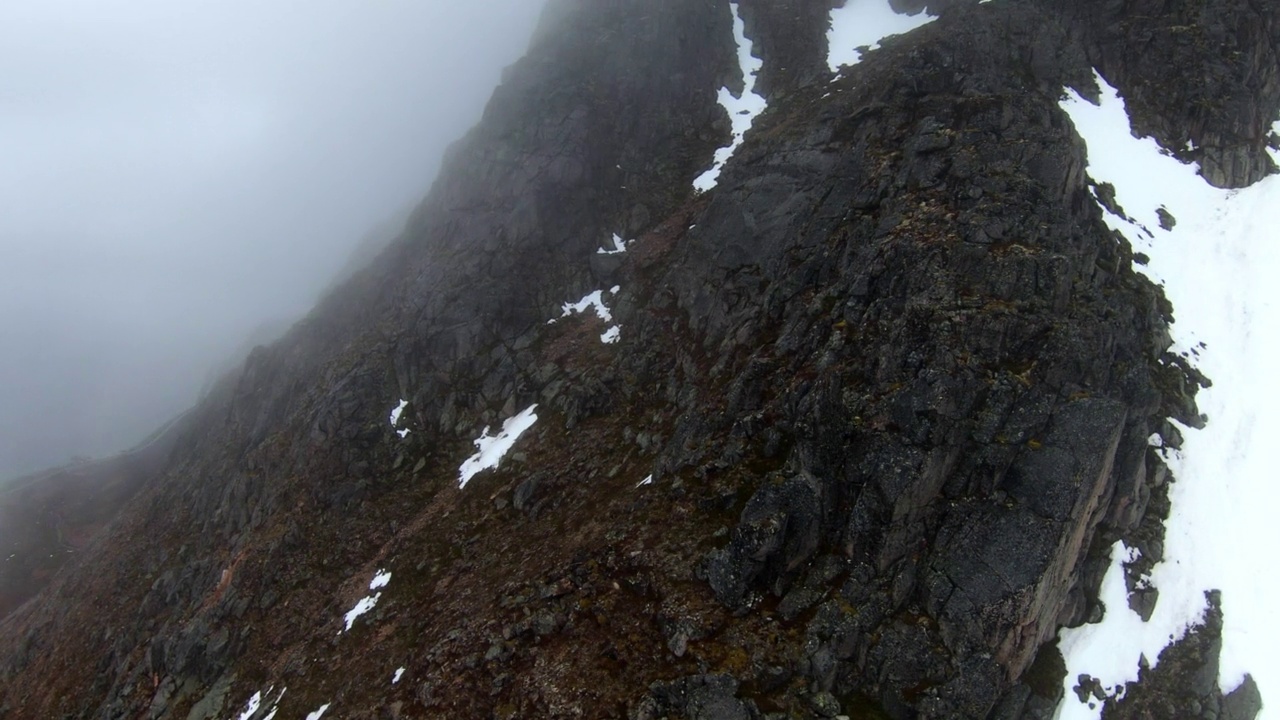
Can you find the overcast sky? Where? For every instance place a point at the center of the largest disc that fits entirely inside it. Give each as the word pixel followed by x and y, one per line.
pixel 175 173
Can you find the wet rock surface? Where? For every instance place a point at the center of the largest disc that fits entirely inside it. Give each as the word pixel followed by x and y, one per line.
pixel 892 382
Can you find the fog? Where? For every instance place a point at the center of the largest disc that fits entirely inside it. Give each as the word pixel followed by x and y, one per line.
pixel 175 176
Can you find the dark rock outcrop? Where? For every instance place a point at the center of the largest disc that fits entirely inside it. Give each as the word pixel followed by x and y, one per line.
pixel 1219 106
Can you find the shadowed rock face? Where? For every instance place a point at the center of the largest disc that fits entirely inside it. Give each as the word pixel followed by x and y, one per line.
pixel 792 34
pixel 893 380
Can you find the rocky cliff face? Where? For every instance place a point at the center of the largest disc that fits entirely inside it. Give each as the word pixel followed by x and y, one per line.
pixel 877 406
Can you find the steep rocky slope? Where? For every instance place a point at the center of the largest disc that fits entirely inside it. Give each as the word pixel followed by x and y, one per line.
pixel 48 516
pixel 877 405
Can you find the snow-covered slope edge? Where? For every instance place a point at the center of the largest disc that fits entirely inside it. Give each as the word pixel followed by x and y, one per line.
pixel 1217 262
pixel 865 24
pixel 743 108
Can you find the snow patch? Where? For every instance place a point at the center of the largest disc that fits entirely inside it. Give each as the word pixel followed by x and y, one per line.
pixel 396 412
pixel 1093 648
pixel 491 449
pixel 318 713
pixel 365 605
pixel 399 674
pixel 275 706
pixel 1218 267
pixel 255 703
pixel 251 707
pixel 619 246
pixel 864 24
pixel 647 481
pixel 380 580
pixel 595 301
pixel 743 109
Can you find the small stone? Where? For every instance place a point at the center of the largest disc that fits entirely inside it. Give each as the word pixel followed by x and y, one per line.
pixel 824 704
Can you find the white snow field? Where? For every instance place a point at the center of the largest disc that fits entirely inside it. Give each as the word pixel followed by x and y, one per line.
pixel 864 23
pixel 1220 267
pixel 743 109
pixel 491 449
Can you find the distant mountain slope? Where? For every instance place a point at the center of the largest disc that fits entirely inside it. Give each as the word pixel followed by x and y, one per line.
pixel 46 517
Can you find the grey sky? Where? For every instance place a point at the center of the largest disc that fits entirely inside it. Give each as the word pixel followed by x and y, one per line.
pixel 174 173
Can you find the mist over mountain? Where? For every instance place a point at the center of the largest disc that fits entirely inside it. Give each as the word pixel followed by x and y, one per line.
pixel 176 175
